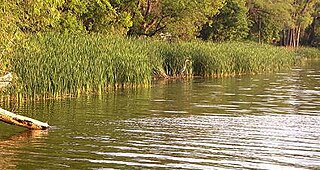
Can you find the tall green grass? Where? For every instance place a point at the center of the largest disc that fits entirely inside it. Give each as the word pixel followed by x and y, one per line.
pixel 54 65
pixel 225 59
pixel 308 53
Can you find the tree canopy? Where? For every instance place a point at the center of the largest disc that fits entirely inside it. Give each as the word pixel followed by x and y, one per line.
pixel 286 22
pixel 231 23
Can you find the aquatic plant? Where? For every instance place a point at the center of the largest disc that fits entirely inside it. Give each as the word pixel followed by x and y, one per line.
pixel 225 59
pixel 52 65
pixel 56 65
pixel 308 52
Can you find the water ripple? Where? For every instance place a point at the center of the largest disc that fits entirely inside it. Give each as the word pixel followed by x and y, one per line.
pixel 248 122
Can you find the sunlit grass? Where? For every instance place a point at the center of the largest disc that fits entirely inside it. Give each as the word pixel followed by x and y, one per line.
pixel 57 65
pixel 308 52
pixel 226 59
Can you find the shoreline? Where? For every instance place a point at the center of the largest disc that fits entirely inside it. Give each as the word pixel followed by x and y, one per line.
pixel 55 65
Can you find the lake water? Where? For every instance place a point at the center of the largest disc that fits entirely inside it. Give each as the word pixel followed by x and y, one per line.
pixel 267 121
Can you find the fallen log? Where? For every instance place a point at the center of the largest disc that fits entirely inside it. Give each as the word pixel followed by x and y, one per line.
pixel 23 121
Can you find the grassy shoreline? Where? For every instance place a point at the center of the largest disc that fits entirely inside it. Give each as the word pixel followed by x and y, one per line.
pixel 56 65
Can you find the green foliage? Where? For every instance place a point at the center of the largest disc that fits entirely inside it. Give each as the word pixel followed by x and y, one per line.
pixel 303 11
pixel 230 23
pixel 190 16
pixel 71 23
pixel 85 57
pixel 35 16
pixel 181 18
pixel 312 33
pixel 55 65
pixel 287 18
pixel 227 59
pixel 218 20
pixel 173 57
pixel 269 18
pixel 308 52
pixel 9 33
pixel 102 17
pixel 71 16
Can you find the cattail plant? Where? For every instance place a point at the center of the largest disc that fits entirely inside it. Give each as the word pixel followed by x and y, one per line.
pixel 55 65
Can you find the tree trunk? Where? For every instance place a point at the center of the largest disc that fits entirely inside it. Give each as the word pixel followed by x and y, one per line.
pixel 23 121
pixel 298 36
pixel 294 37
pixel 260 25
pixel 291 37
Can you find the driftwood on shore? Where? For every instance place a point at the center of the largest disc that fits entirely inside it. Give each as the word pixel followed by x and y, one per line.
pixel 14 119
pixel 23 121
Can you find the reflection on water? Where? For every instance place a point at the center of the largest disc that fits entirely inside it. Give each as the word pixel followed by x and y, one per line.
pixel 248 122
pixel 9 148
pixel 233 142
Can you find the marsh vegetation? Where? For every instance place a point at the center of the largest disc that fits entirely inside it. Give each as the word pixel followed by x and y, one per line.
pixel 57 65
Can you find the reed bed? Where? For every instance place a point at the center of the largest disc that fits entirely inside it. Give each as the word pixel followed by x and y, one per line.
pixel 225 59
pixel 58 65
pixel 308 53
pixel 236 58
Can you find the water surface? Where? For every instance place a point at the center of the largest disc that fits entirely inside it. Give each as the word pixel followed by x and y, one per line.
pixel 267 121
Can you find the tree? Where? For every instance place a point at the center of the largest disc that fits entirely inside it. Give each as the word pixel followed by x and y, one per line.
pixel 180 18
pixel 268 19
pixel 312 33
pixel 302 18
pixel 37 16
pixel 73 16
pixel 230 23
pixel 102 16
pixel 9 32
